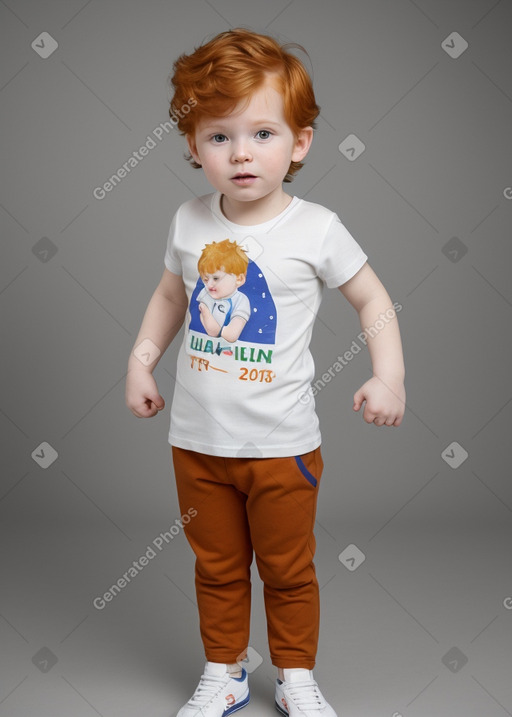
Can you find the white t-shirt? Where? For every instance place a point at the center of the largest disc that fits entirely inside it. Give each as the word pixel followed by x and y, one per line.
pixel 243 398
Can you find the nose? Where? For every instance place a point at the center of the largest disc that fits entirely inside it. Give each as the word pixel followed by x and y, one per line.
pixel 241 152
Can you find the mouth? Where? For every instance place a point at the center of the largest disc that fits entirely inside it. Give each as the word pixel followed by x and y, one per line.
pixel 243 178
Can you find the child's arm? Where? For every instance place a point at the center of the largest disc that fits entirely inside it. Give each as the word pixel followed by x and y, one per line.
pixel 384 393
pixel 162 321
pixel 211 326
pixel 229 333
pixel 232 331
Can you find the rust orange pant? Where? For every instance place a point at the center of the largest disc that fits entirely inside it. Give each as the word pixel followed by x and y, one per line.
pixel 265 505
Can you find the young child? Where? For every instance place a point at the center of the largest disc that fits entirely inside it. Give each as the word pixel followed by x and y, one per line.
pixel 224 310
pixel 244 433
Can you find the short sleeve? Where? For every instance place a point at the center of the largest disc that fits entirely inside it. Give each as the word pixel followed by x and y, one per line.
pixel 171 259
pixel 243 307
pixel 340 255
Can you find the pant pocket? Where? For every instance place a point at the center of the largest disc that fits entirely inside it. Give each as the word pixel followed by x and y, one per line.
pixel 305 472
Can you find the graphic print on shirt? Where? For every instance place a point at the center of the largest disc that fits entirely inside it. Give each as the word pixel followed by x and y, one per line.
pixel 233 315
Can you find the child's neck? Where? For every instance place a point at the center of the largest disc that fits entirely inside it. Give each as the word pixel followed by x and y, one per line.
pixel 254 212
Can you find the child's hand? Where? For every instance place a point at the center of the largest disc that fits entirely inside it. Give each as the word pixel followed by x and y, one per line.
pixel 211 327
pixel 142 396
pixel 385 401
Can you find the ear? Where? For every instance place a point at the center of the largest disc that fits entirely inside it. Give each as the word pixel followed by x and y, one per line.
pixel 191 141
pixel 240 279
pixel 302 144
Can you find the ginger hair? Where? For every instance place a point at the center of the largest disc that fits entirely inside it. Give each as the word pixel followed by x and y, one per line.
pixel 224 255
pixel 228 69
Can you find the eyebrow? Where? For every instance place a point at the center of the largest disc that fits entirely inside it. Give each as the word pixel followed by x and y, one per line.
pixel 220 124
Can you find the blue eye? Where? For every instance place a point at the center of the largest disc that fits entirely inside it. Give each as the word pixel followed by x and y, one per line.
pixel 263 134
pixel 219 138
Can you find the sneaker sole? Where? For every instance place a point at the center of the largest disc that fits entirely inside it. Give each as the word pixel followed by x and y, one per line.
pixel 280 709
pixel 238 706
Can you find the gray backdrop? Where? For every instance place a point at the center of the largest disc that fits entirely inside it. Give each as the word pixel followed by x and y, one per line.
pixel 414 524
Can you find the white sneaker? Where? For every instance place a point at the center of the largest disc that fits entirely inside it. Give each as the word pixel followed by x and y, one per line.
pixel 217 694
pixel 299 695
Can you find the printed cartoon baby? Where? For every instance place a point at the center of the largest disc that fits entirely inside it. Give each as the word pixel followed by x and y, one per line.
pixel 223 309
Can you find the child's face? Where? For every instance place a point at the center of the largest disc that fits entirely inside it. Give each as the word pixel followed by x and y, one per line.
pixel 255 142
pixel 220 284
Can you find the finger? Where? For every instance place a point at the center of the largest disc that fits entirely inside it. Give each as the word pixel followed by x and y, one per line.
pixel 158 401
pixel 146 410
pixel 138 413
pixel 153 398
pixel 156 408
pixel 358 400
pixel 387 421
pixel 135 409
pixel 152 408
pixel 369 416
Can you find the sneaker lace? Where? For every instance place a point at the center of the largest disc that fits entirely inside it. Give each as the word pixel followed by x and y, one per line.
pixel 306 695
pixel 209 687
